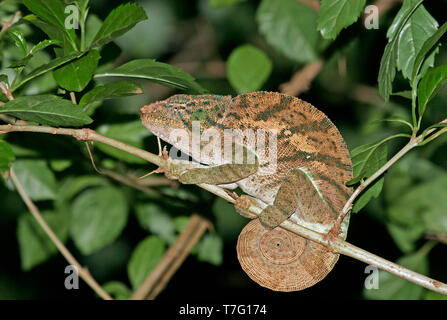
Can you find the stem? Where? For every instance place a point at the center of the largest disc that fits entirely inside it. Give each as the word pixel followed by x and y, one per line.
pixel 336 244
pixel 352 251
pixel 172 259
pixel 73 97
pixel 8 24
pixel 83 273
pixel 413 108
pixel 410 145
pixel 434 136
pixel 83 33
pixel 87 135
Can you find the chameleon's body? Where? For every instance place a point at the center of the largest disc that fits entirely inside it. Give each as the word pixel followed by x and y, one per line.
pixel 313 165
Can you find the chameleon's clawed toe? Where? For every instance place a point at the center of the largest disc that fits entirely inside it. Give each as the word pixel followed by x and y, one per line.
pixel 243 204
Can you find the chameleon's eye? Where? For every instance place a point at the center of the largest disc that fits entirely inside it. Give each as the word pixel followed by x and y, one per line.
pixel 178 107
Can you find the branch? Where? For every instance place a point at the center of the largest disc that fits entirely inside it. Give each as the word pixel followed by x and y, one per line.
pixel 87 135
pixel 414 142
pixel 8 24
pixel 336 244
pixel 301 80
pixel 83 273
pixel 172 259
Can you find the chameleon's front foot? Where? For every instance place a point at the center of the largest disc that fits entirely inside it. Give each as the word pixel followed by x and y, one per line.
pixel 333 232
pixel 243 204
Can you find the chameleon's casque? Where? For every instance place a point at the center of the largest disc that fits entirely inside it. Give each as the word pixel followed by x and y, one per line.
pixel 313 165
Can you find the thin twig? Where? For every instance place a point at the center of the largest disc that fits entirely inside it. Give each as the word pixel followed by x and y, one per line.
pixel 348 205
pixel 83 273
pixel 8 24
pixel 301 80
pixel 134 183
pixel 156 182
pixel 157 280
pixel 4 87
pixel 414 142
pixel 336 244
pixel 441 237
pixel 87 135
pixel 73 97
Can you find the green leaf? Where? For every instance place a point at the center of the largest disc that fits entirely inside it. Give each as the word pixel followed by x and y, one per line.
pixel 144 259
pixel 363 158
pixel 98 217
pixel 132 133
pixel 76 75
pixel 367 159
pixel 210 249
pixel 60 165
pixel 388 64
pixel 405 236
pixel 156 220
pixel 110 91
pixel 19 40
pixel 4 78
pixel 291 27
pixel 157 72
pixel 407 173
pixel 392 287
pixel 34 244
pixel 37 179
pixel 6 156
pixel 53 12
pixel 117 289
pixel 401 121
pixel 423 205
pixel 46 109
pixel 248 68
pixel 429 87
pixel 431 295
pixel 82 4
pixel 224 3
pixel 404 94
pixel 180 223
pixel 53 33
pixel 40 46
pixel 46 68
pixel 228 222
pixel 70 187
pixel 426 48
pixel 118 22
pixel 334 15
pixel 92 26
pixel 418 28
pixel 405 218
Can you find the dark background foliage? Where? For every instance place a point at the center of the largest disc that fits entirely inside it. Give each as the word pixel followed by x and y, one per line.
pixel 200 38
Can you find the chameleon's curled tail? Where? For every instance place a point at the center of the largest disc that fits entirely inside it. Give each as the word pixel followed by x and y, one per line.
pixel 280 260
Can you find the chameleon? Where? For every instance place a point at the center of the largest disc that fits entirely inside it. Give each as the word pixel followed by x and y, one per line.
pixel 310 161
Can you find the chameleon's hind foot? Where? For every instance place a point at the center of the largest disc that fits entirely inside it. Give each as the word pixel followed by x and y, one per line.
pixel 243 204
pixel 271 217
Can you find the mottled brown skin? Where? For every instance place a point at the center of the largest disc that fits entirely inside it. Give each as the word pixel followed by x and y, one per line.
pixel 307 142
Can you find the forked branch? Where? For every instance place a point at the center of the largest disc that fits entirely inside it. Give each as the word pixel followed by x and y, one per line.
pixel 337 244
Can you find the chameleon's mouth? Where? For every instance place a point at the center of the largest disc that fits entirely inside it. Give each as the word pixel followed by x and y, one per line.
pixel 149 108
pixel 157 119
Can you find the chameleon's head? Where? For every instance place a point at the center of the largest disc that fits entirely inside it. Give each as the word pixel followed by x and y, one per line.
pixel 179 112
